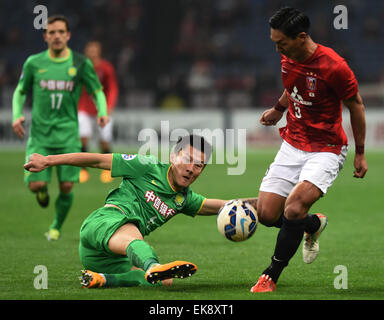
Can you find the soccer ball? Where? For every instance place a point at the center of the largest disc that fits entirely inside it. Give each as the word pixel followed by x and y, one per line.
pixel 237 220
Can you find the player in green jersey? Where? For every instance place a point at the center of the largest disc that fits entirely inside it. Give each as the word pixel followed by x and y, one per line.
pixel 56 77
pixel 151 193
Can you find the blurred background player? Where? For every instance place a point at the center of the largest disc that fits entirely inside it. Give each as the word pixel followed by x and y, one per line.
pixel 87 109
pixel 317 81
pixel 56 77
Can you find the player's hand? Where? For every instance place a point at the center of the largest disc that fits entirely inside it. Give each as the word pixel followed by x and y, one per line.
pixel 102 121
pixel 270 117
pixel 361 167
pixel 36 163
pixel 18 127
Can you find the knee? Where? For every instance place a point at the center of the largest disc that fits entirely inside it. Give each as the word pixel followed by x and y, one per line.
pixel 66 187
pixel 267 216
pixel 35 186
pixel 295 209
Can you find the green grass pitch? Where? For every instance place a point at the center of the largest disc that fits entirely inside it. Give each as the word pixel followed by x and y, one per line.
pixel 226 270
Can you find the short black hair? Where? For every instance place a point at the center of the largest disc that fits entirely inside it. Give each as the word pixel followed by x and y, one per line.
pixel 290 21
pixel 57 17
pixel 195 141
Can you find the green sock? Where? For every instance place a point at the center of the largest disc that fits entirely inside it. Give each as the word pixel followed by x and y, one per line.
pixel 141 254
pixel 63 204
pixel 131 278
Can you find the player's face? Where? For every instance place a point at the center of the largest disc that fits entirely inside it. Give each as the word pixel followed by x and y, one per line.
pixel 93 50
pixel 57 36
pixel 186 167
pixel 291 48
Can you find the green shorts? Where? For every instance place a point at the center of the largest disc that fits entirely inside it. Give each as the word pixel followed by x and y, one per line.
pixel 95 233
pixel 64 173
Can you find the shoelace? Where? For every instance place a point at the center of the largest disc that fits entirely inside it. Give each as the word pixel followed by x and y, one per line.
pixel 266 279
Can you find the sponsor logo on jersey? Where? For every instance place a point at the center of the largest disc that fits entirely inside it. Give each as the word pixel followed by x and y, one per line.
pixel 128 156
pixel 42 70
pixel 298 98
pixel 52 85
pixel 160 206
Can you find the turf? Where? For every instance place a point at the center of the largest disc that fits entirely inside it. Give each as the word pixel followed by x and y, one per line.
pixel 226 270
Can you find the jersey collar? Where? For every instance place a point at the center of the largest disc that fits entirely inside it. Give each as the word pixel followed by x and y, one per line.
pixel 59 60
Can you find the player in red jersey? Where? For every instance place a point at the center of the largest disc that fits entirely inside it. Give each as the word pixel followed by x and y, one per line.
pixel 317 82
pixel 87 111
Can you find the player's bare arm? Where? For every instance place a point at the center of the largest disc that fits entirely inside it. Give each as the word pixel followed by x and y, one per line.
pixel 38 162
pixel 273 115
pixel 211 206
pixel 357 117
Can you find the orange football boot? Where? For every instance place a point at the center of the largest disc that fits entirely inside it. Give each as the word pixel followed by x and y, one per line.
pixel 176 269
pixel 90 279
pixel 265 284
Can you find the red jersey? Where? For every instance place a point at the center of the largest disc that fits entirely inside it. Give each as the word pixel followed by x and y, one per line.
pixel 106 73
pixel 316 89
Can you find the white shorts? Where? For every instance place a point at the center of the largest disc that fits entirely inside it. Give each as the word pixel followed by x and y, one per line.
pixel 87 124
pixel 292 165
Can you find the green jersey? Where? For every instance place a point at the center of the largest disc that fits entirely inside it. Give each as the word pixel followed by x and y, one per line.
pixel 146 192
pixel 56 87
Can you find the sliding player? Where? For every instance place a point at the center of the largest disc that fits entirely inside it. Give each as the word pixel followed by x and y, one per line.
pixel 151 193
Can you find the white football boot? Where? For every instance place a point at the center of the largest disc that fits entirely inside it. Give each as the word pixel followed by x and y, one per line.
pixel 311 245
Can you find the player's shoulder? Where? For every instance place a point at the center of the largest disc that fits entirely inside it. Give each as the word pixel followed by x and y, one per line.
pixel 329 54
pixel 145 160
pixel 78 57
pixel 106 65
pixel 36 57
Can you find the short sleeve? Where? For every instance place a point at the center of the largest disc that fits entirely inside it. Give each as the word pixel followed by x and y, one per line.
pixel 343 81
pixel 130 165
pixel 194 203
pixel 26 77
pixel 90 79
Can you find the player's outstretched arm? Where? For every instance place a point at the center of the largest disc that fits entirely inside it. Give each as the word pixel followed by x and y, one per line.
pixel 211 207
pixel 38 162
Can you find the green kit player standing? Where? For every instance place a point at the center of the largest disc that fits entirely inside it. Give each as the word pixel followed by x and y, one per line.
pixel 112 248
pixel 56 77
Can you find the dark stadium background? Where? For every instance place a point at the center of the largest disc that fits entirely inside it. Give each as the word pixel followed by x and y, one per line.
pixel 159 47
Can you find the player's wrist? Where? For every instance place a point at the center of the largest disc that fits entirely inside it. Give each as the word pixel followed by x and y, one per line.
pixel 359 148
pixel 279 107
pixel 48 161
